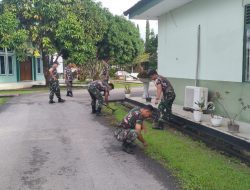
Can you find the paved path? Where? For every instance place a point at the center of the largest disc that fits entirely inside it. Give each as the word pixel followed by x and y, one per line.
pixel 64 147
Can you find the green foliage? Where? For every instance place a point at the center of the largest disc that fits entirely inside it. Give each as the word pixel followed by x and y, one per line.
pixel 195 165
pixel 121 42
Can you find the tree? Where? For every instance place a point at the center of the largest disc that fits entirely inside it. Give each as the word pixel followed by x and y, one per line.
pixel 121 43
pixel 151 46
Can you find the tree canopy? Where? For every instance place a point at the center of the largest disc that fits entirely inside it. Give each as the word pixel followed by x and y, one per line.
pixel 79 30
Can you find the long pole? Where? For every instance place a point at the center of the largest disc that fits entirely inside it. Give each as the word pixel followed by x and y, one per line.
pixel 198 55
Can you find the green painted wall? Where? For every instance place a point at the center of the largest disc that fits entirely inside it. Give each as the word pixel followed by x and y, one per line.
pixel 237 90
pixel 222 31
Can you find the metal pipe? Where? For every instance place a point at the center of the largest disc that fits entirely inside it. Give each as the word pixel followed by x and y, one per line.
pixel 198 55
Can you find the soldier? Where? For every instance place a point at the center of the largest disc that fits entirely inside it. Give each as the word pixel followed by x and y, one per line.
pixel 95 88
pixel 132 126
pixel 69 79
pixel 165 93
pixel 54 84
pixel 105 73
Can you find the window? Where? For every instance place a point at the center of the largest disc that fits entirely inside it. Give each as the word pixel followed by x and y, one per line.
pixel 10 65
pixel 246 72
pixel 2 65
pixel 39 66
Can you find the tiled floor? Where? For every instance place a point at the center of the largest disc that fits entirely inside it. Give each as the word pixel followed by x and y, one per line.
pixel 244 133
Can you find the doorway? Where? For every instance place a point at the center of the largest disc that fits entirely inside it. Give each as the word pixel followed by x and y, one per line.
pixel 26 69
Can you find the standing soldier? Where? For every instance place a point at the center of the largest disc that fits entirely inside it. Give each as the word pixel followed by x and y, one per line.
pixel 165 93
pixel 105 73
pixel 132 126
pixel 54 84
pixel 95 88
pixel 69 79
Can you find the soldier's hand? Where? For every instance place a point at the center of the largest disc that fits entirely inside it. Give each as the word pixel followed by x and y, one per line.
pixel 145 144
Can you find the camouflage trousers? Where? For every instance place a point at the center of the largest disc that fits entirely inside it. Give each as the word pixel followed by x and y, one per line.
pixel 54 89
pixel 165 106
pixel 69 85
pixel 125 135
pixel 96 96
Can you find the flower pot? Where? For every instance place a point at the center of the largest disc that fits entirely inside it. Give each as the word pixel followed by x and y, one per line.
pixel 127 95
pixel 216 121
pixel 148 99
pixel 197 116
pixel 235 128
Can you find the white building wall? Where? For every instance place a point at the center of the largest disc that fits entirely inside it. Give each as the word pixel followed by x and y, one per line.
pixel 222 31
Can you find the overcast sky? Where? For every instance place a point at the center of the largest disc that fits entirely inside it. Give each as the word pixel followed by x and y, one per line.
pixel 119 6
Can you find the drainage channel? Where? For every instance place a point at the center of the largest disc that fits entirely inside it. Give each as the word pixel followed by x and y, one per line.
pixel 222 142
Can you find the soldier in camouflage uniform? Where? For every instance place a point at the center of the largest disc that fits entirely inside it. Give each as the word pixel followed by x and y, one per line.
pixel 69 80
pixel 131 127
pixel 105 73
pixel 95 88
pixel 165 93
pixel 54 84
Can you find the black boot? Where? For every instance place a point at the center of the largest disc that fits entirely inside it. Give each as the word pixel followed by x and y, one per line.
pixel 51 102
pixel 67 93
pixel 126 147
pixel 60 100
pixel 159 125
pixel 98 112
pixel 93 110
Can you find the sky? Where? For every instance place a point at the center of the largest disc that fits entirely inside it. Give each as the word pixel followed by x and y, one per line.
pixel 117 7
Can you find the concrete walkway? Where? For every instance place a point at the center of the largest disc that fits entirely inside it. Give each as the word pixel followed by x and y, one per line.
pixel 64 147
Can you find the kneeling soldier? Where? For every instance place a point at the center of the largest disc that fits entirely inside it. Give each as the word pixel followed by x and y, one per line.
pixel 165 93
pixel 95 89
pixel 132 126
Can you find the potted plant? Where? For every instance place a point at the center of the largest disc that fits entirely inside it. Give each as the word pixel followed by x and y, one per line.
pixel 145 79
pixel 215 119
pixel 232 125
pixel 198 110
pixel 127 91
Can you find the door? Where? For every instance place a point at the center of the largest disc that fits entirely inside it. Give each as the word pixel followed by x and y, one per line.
pixel 26 70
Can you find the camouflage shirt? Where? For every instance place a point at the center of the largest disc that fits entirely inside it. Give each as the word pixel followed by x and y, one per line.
pixel 166 85
pixel 68 73
pixel 54 75
pixel 132 118
pixel 99 85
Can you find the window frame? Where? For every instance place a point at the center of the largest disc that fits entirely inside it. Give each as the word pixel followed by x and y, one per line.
pixel 8 64
pixel 4 66
pixel 39 64
pixel 246 55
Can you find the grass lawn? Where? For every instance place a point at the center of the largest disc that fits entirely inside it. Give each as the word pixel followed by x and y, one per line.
pixel 24 91
pixel 122 84
pixel 3 100
pixel 196 166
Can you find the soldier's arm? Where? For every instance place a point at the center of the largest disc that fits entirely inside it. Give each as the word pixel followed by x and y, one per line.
pixel 106 97
pixel 158 93
pixel 138 129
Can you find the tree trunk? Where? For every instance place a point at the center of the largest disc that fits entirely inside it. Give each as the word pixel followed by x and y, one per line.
pixel 45 59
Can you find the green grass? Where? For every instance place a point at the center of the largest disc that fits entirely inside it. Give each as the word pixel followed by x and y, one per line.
pixel 122 84
pixel 24 91
pixel 3 100
pixel 196 166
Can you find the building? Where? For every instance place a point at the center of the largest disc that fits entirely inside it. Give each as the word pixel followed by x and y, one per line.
pixel 14 71
pixel 204 41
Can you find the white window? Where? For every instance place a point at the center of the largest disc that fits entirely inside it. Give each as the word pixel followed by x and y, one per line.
pixel 10 65
pixel 2 65
pixel 39 65
pixel 6 61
